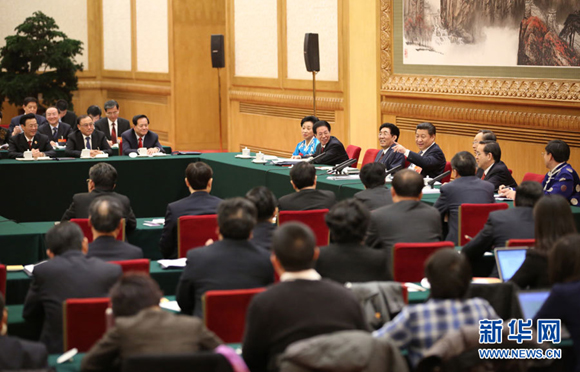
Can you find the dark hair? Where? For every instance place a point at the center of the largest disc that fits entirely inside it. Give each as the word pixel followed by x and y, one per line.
pixel 0 114
pixel 303 175
pixel 373 175
pixel 559 150
pixel 448 273
pixel 528 193
pixel 79 118
pixel 23 118
pixel 408 183
pixel 430 128
pixel 492 147
pixel 264 201
pixel 464 163
pixel 62 105
pixel 320 123
pixel 134 292
pixel 198 175
pixel 105 214
pixel 552 219
pixel 348 221
pixel 27 100
pixel 392 128
pixel 312 119
pixel 66 236
pixel 564 259
pixel 487 135
pixel 236 218
pixel 137 117
pixel 110 104
pixel 293 244
pixel 94 110
pixel 104 176
pixel 54 107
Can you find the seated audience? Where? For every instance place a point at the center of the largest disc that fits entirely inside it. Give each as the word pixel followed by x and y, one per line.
pixel 483 135
pixel 553 219
pixel 30 106
pixel 408 219
pixel 430 160
pixel 66 116
pixel 94 112
pixel 140 136
pixel 307 147
pixel 199 180
pixel 112 126
pixel 465 188
pixel 347 259
pixel 106 221
pixel 266 205
pixel 388 137
pixel 29 140
pixel 491 168
pixel 300 306
pixel 102 181
pixel 330 146
pixel 54 128
pixel 230 263
pixel 375 194
pixel 306 197
pixel 67 274
pixel 142 327
pixel 418 327
pixel 86 137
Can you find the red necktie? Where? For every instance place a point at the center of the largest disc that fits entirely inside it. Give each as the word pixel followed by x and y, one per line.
pixel 140 142
pixel 483 176
pixel 30 145
pixel 113 133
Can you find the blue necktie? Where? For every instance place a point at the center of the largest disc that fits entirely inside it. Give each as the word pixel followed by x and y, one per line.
pixel 89 143
pixel 54 133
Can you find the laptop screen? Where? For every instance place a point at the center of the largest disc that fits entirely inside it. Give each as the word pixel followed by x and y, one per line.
pixel 531 302
pixel 509 261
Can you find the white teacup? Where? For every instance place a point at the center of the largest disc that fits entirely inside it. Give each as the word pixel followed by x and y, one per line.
pixel 260 156
pixel 142 151
pixel 85 153
pixel 246 151
pixel 27 154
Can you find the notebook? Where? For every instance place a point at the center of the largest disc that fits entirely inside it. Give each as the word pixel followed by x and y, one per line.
pixel 509 260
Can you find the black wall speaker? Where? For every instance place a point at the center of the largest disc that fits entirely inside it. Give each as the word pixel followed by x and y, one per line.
pixel 218 59
pixel 311 57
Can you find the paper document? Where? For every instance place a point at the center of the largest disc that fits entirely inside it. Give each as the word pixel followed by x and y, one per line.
pixel 429 190
pixel 343 178
pixel 170 305
pixel 155 222
pixel 180 262
pixel 286 160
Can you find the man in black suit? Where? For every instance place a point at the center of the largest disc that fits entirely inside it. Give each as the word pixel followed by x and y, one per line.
pixel 230 263
pixel 105 219
pixel 30 106
pixel 54 128
pixel 300 306
pixel 267 206
pixel 491 168
pixel 102 181
pixel 140 136
pixel 112 126
pixel 199 180
pixel 330 146
pixel 4 135
pixel 67 274
pixel 388 137
pixel 86 137
pixel 501 226
pixel 306 197
pixel 465 188
pixel 375 195
pixel 66 116
pixel 430 159
pixel 29 140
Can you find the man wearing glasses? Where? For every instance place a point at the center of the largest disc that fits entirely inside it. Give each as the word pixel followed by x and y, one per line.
pixel 112 126
pixel 86 137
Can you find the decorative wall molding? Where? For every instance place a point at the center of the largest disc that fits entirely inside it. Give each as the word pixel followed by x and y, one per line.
pixel 284 112
pixel 158 90
pixel 386 42
pixel 323 103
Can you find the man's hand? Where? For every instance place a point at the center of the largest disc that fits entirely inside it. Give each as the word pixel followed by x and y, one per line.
pixel 110 143
pixel 296 157
pixel 95 152
pixel 506 192
pixel 36 153
pixel 152 150
pixel 399 148
pixel 53 144
pixel 17 130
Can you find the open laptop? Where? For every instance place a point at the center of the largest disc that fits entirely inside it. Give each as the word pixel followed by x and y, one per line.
pixel 509 260
pixel 531 302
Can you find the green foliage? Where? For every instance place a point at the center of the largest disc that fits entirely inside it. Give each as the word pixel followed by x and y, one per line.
pixel 39 59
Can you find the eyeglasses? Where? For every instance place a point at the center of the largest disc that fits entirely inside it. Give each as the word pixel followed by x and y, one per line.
pixel 88 125
pixel 110 113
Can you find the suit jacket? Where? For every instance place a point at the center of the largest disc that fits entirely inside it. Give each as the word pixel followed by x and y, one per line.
pixel 499 174
pixel 334 152
pixel 375 198
pixel 432 162
pixel 108 248
pixel 17 354
pixel 262 235
pixel 225 264
pixel 18 144
pixel 355 263
pixel 70 118
pixel 4 136
pixel 76 143
pixel 391 159
pixel 462 190
pixel 196 204
pixel 307 199
pixel 68 275
pixel 16 121
pixel 103 126
pixel 63 131
pixel 151 331
pixel 79 207
pixel 130 143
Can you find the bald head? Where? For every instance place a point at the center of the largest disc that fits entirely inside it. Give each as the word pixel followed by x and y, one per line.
pixel 105 214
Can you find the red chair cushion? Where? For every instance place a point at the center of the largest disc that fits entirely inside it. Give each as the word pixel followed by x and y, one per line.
pixel 472 218
pixel 314 219
pixel 409 259
pixel 370 156
pixel 533 177
pixel 3 282
pixel 194 231
pixel 88 233
pixel 521 242
pixel 353 152
pixel 84 322
pixel 140 265
pixel 447 168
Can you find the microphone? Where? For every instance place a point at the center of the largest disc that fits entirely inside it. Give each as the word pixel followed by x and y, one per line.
pixel 393 170
pixel 315 158
pixel 438 178
pixel 343 165
pixel 338 165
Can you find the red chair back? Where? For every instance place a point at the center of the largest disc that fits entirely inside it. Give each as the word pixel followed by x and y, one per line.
pixel 120 142
pixel 521 242
pixel 314 219
pixel 140 265
pixel 533 177
pixel 3 281
pixel 447 168
pixel 409 259
pixel 88 233
pixel 224 312
pixel 370 156
pixel 84 322
pixel 194 231
pixel 353 152
pixel 472 218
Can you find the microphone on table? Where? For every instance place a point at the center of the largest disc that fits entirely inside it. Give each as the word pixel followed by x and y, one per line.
pixel 393 170
pixel 438 178
pixel 338 168
pixel 311 160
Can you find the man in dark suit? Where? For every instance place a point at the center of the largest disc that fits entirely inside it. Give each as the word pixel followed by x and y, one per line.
pixel 501 226
pixel 86 137
pixel 112 126
pixel 30 106
pixel 408 219
pixel 67 274
pixel 140 136
pixel 4 134
pixel 430 160
pixel 267 206
pixel 29 140
pixel 388 137
pixel 66 116
pixel 102 181
pixel 199 180
pixel 491 168
pixel 306 197
pixel 105 219
pixel 54 128
pixel 375 195
pixel 300 306
pixel 230 263
pixel 330 146
pixel 465 188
